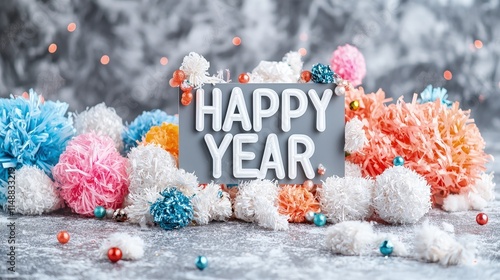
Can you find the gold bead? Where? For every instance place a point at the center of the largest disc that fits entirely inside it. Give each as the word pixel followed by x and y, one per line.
pixel 354 105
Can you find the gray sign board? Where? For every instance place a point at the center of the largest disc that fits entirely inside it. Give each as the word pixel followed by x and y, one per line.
pixel 230 132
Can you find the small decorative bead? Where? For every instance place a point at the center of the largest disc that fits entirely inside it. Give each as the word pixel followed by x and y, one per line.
pixel 201 262
pixel 114 254
pixel 119 215
pixel 310 216
pixel 174 83
pixel 339 90
pixel 109 213
pixel 386 247
pixel 321 169
pixel 319 219
pixel 308 184
pixel 179 75
pixel 354 105
pixel 100 212
pixel 482 219
pixel 63 237
pixel 305 76
pixel 243 78
pixel 398 161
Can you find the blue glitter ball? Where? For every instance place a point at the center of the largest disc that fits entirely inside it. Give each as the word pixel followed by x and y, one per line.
pixel 431 94
pixel 100 212
pixel 386 248
pixel 398 161
pixel 319 219
pixel 322 74
pixel 201 262
pixel 172 210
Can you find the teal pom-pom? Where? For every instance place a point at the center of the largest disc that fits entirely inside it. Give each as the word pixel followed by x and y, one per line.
pixel 431 94
pixel 172 210
pixel 33 132
pixel 137 129
pixel 322 74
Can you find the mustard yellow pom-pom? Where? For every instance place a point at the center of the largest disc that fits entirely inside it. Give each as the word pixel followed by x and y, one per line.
pixel 166 135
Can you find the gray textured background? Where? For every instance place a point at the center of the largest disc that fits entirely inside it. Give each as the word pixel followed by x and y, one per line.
pixel 407 45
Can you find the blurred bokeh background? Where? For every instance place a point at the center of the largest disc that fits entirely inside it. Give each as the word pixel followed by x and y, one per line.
pixel 124 52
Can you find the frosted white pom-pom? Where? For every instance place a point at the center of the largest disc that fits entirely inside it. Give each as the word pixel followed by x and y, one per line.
pixel 256 201
pixel 355 137
pixel 101 120
pixel 273 72
pixel 35 192
pixel 351 238
pixel 352 169
pixel 345 199
pixel 185 182
pixel 476 198
pixel 211 203
pixel 139 204
pixel 485 187
pixel 401 195
pixel 132 247
pixel 435 245
pixel 294 60
pixel 456 203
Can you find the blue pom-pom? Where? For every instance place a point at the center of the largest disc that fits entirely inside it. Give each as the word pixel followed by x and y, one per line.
pixel 173 210
pixel 32 132
pixel 431 94
pixel 322 74
pixel 142 124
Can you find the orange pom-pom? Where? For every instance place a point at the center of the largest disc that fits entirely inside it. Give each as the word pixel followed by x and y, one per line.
pixel 296 201
pixel 166 135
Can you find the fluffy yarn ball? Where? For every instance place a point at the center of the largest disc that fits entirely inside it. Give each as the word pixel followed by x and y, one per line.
pixel 322 74
pixel 401 195
pixel 32 132
pixel 350 238
pixel 273 72
pixel 172 210
pixel 211 204
pixel 349 63
pixel 355 137
pixel 352 170
pixel 132 247
pixel 136 130
pixel 431 94
pixel 294 60
pixel 90 173
pixel 35 192
pixel 344 199
pixel 101 120
pixel 166 135
pixel 139 205
pixel 295 202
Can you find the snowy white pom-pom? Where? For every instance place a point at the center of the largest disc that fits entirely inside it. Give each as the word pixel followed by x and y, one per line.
pixel 345 199
pixel 485 187
pixel 273 72
pixel 351 238
pixel 355 137
pixel 101 120
pixel 401 195
pixel 139 205
pixel 150 167
pixel 35 192
pixel 435 245
pixel 132 247
pixel 184 181
pixel 195 66
pixel 456 203
pixel 211 203
pixel 352 169
pixel 294 60
pixel 256 201
pixel 476 198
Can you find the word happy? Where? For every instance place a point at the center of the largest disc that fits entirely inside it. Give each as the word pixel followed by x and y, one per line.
pixel 238 114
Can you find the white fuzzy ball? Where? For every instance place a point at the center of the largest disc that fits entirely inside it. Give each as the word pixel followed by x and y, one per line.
pixel 211 203
pixel 351 238
pixel 345 199
pixel 456 203
pixel 294 60
pixel 101 120
pixel 139 204
pixel 401 195
pixel 485 187
pixel 256 201
pixel 35 192
pixel 132 247
pixel 355 137
pixel 273 72
pixel 352 169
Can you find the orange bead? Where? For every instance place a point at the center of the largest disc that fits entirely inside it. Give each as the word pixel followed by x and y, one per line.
pixel 179 75
pixel 63 237
pixel 174 83
pixel 308 184
pixel 305 76
pixel 114 254
pixel 188 95
pixel 243 78
pixel 185 101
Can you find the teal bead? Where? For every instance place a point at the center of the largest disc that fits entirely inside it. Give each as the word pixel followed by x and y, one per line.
pixel 386 248
pixel 398 161
pixel 100 212
pixel 319 219
pixel 201 262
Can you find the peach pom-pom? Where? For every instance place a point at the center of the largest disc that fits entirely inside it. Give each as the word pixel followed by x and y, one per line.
pixel 296 201
pixel 90 173
pixel 166 135
pixel 349 63
pixel 371 106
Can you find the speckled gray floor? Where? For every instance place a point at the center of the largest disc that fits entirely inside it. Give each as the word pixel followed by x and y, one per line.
pixel 235 250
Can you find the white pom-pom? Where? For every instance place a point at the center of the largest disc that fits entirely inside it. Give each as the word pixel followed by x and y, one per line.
pixel 35 192
pixel 435 245
pixel 139 204
pixel 351 238
pixel 401 195
pixel 101 120
pixel 256 201
pixel 185 182
pixel 273 72
pixel 195 66
pixel 352 169
pixel 150 167
pixel 456 203
pixel 132 247
pixel 211 203
pixel 294 60
pixel 355 137
pixel 344 199
pixel 485 187
pixel 477 202
pixel 448 227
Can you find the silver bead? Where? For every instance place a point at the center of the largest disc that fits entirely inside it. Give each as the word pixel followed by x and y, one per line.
pixel 310 216
pixel 339 90
pixel 109 213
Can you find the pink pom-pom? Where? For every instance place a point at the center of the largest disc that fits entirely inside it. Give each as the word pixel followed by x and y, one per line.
pixel 349 63
pixel 91 172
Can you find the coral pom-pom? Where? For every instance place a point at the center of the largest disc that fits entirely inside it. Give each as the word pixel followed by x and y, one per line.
pixel 165 135
pixel 295 202
pixel 349 63
pixel 90 173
